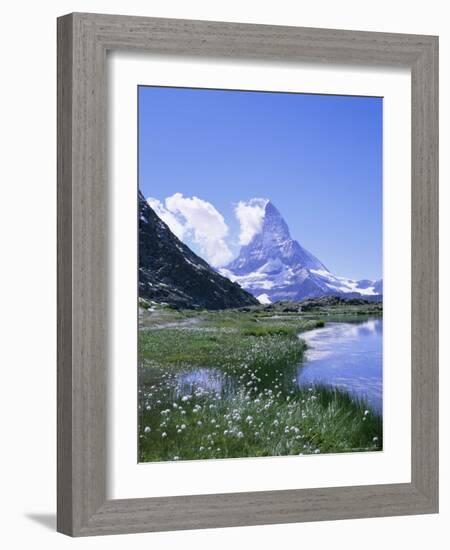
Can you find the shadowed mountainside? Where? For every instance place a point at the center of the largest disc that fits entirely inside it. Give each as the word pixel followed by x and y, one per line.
pixel 170 272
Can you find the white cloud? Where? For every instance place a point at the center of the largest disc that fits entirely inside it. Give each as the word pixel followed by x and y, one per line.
pixel 175 225
pixel 196 219
pixel 250 215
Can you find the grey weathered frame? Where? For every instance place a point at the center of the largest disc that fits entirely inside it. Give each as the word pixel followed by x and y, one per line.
pixel 83 40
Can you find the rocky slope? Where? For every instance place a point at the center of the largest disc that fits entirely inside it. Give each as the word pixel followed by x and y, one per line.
pixel 171 273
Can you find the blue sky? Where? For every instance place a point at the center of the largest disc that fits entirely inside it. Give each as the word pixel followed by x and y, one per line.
pixel 318 158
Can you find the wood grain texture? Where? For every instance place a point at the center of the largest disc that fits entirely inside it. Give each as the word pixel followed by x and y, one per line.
pixel 64 252
pixel 425 273
pixel 83 40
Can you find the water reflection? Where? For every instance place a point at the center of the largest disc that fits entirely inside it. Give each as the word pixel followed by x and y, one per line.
pixel 201 379
pixel 345 355
pixel 348 356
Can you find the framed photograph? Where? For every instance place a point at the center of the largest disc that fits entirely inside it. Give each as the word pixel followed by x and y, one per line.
pixel 247 274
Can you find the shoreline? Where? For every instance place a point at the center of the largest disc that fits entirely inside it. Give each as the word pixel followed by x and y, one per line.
pixel 257 355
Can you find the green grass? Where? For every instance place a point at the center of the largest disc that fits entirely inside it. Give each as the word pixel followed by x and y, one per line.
pixel 224 346
pixel 246 402
pixel 253 424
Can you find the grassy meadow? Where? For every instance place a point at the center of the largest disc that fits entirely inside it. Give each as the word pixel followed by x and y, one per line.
pixel 223 385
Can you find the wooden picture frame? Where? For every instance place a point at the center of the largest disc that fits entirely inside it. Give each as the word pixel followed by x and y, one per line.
pixel 83 41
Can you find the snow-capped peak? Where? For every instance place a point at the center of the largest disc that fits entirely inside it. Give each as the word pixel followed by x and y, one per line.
pixel 273 266
pixel 274 227
pixel 273 243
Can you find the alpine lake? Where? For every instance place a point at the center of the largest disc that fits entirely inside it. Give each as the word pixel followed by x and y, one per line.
pixel 259 381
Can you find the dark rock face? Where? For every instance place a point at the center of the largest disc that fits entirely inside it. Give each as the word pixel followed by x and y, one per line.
pixel 170 272
pixel 323 303
pixel 330 301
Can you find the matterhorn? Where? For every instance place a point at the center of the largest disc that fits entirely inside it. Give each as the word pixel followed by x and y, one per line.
pixel 273 266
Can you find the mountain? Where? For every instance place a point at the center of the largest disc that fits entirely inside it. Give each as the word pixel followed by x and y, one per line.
pixel 273 267
pixel 170 272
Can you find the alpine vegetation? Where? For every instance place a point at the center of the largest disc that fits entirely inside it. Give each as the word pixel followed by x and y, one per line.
pixel 225 384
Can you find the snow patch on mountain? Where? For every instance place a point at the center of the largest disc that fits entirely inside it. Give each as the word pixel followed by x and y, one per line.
pixel 264 299
pixel 344 285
